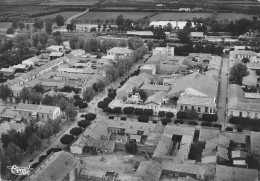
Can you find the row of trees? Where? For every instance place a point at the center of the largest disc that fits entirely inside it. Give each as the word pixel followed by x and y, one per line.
pixel 192 114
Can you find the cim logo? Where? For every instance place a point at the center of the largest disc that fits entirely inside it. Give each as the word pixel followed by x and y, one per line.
pixel 20 170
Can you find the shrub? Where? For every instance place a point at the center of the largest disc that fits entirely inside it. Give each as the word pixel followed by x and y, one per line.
pixel 244 121
pixel 102 104
pixel 154 122
pixel 90 116
pixel 83 123
pixel 143 118
pixel 139 111
pixel 239 129
pixel 165 121
pixel 161 113
pixel 169 115
pixel 181 115
pixel 229 129
pixel 76 131
pixel 51 150
pixel 210 117
pixel 67 139
pixel 206 124
pixel 148 112
pixel 110 117
pixel 192 114
pixel 123 118
pixel 41 158
pixel 178 121
pixel 117 110
pixel 128 110
pixel 217 126
pixel 193 123
pixel 107 109
pixel 107 100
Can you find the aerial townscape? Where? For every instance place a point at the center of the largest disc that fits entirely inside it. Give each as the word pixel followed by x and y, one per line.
pixel 136 90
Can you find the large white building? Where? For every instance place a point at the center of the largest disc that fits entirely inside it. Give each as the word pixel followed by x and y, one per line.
pixel 120 52
pixel 175 24
pixel 167 51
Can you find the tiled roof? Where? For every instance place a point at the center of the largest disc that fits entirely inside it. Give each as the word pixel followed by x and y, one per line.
pixel 120 50
pixel 55 167
pixel 155 87
pixel 197 100
pixel 149 171
pixel 36 108
pixel 6 126
pixel 164 146
pixel 251 79
pixel 148 66
pixel 179 130
pixel 197 34
pixel 235 173
pixel 156 98
pixel 197 81
pixel 196 169
pixel 140 33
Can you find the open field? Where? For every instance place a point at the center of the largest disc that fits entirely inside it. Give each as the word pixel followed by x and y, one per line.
pixel 66 15
pixel 184 16
pixel 68 3
pixel 5 24
pixel 109 15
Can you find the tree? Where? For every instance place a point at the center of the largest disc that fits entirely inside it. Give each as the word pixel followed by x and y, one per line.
pixel 80 44
pixel 178 121
pixel 135 42
pixel 71 27
pixel 142 94
pixel 111 93
pixel 161 113
pixel 35 97
pixel 131 147
pixel 24 94
pixel 229 129
pixel 92 45
pixel 181 115
pixel 71 112
pixel 5 92
pixel 102 104
pixel 120 21
pixel 206 124
pixel 73 41
pixel 10 31
pixel 59 20
pixel 76 131
pixel 143 118
pixel 57 37
pixel 47 100
pixel 34 143
pixel 21 42
pixel 184 35
pixel 67 139
pixel 38 23
pixel 148 112
pixel 245 60
pixel 38 88
pixel 13 154
pixel 14 24
pixel 62 103
pixel 112 73
pixel 210 117
pixel 56 125
pixel 83 123
pixel 100 85
pixel 21 25
pixel 7 45
pixel 43 39
pixel 88 94
pixel 169 114
pixel 122 43
pixel 192 114
pixel 150 45
pixel 193 123
pixel 35 40
pixel 165 121
pixel 48 26
pixel 90 116
pixel 128 110
pixel 139 111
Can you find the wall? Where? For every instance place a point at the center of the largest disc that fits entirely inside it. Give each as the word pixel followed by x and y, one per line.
pixel 236 113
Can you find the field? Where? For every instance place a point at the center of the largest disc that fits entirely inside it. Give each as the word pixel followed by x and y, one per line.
pixel 66 15
pixel 184 16
pixel 109 15
pixel 68 3
pixel 5 24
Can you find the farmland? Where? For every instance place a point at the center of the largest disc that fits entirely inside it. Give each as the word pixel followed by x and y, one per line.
pixel 66 15
pixel 109 15
pixel 184 16
pixel 71 3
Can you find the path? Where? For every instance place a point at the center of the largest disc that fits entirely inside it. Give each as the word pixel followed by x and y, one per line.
pixel 68 21
pixel 222 99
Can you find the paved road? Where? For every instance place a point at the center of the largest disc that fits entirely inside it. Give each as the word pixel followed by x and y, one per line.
pixel 223 91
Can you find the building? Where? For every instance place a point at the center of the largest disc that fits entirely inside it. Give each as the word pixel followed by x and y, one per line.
pixel 60 165
pixel 149 69
pixel 151 89
pixel 7 72
pixel 37 112
pixel 120 52
pixel 250 80
pixel 168 51
pixel 77 53
pixel 255 144
pixel 235 173
pixel 142 34
pixel 175 24
pixel 240 54
pixel 171 36
pixel 31 62
pixel 195 91
pixel 149 171
pixel 196 36
pixel 55 55
pixel 241 104
pixel 55 48
pixel 7 126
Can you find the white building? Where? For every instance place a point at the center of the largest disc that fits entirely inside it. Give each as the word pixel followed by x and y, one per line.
pixel 175 24
pixel 120 52
pixel 168 51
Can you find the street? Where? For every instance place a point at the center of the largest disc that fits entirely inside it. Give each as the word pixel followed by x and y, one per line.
pixel 223 91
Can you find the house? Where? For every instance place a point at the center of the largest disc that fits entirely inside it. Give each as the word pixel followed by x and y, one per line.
pixel 195 36
pixel 31 62
pixel 19 67
pixel 152 88
pixel 238 155
pixel 171 36
pixel 156 100
pixel 44 57
pixel 7 126
pixel 255 144
pixel 240 54
pixel 8 113
pixel 149 69
pixel 15 91
pixel 77 53
pixel 60 165
pixel 55 55
pixel 235 173
pixel 166 68
pixel 55 48
pixel 175 24
pixel 7 72
pixel 184 9
pixel 85 70
pixel 142 34
pixel 120 52
pixel 37 112
pixel 241 106
pixel 195 91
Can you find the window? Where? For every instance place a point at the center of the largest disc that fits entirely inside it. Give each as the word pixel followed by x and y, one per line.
pixel 240 114
pixel 42 116
pixel 181 108
pixel 48 116
pixel 248 114
pixel 192 107
pixel 199 109
pixel 30 114
pixel 206 109
pixel 256 115
pixel 186 108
